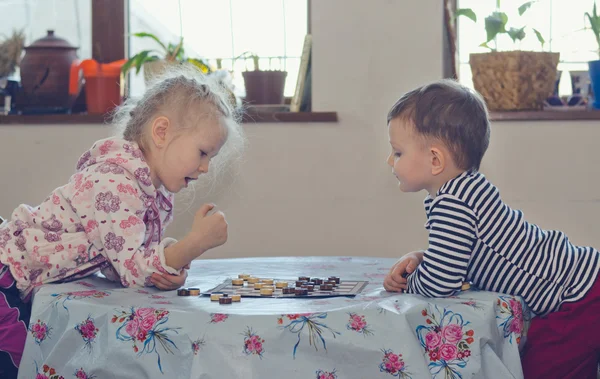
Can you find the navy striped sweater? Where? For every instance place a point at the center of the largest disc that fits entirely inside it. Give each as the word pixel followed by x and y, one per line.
pixel 474 236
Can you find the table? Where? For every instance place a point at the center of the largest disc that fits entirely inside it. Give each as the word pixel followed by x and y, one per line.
pixel 92 328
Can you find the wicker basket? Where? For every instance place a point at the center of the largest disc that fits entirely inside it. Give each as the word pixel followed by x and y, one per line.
pixel 514 80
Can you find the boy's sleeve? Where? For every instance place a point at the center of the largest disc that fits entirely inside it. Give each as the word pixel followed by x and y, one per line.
pixel 117 210
pixel 452 237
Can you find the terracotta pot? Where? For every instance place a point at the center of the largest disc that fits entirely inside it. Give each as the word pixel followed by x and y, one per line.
pixel 45 72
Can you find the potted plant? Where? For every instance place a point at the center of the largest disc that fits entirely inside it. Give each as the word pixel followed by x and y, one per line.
pixel 516 79
pixel 594 66
pixel 154 62
pixel 262 86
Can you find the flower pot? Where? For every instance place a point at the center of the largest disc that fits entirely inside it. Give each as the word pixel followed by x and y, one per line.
pixel 594 67
pixel 514 80
pixel 264 87
pixel 153 69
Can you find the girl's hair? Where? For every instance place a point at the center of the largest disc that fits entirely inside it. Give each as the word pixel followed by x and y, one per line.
pixel 184 91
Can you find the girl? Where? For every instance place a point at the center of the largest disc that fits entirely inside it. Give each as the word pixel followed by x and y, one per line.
pixel 111 215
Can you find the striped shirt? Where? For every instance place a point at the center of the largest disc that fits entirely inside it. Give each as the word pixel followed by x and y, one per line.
pixel 475 237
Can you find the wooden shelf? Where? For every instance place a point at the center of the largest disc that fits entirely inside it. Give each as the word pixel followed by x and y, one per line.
pixel 250 116
pixel 546 115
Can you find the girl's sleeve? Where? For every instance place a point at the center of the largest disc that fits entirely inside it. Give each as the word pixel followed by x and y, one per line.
pixel 116 209
pixel 452 237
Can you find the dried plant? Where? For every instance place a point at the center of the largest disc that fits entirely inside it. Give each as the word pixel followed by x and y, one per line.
pixel 10 52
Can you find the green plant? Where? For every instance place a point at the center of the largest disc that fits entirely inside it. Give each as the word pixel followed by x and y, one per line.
pixel 10 52
pixel 169 52
pixel 249 55
pixel 594 20
pixel 496 24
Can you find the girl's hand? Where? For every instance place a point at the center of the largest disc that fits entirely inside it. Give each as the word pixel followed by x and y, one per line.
pixel 168 282
pixel 209 231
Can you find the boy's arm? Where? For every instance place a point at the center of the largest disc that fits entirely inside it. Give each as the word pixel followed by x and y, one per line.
pixel 452 237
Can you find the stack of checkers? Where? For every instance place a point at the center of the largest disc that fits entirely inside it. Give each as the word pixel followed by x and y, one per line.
pixel 302 287
pixel 188 292
pixel 223 298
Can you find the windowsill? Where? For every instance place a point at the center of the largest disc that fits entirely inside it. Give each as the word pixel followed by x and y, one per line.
pixel 549 115
pixel 249 117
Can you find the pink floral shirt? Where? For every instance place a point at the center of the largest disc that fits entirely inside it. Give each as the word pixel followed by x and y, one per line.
pixel 109 217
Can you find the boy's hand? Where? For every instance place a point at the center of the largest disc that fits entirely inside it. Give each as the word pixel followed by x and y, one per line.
pixel 168 282
pixel 396 280
pixel 209 230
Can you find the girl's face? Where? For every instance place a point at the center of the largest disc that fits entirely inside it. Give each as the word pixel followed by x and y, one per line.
pixel 180 156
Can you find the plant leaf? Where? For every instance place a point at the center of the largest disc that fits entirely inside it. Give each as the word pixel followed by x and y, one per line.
pixel 150 35
pixel 133 61
pixel 494 24
pixel 539 37
pixel 516 34
pixel 523 8
pixel 142 58
pixel 467 12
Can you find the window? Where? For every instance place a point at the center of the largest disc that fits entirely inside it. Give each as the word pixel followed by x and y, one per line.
pixel 70 20
pixel 272 29
pixel 560 22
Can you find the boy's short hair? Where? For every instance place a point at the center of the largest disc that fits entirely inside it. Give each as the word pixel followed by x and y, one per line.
pixel 452 113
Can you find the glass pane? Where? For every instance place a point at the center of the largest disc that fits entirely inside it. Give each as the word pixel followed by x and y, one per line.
pixel 272 29
pixel 70 20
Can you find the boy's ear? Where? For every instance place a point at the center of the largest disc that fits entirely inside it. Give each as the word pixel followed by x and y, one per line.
pixel 438 160
pixel 160 127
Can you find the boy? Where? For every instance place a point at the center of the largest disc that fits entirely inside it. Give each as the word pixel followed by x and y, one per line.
pixel 439 134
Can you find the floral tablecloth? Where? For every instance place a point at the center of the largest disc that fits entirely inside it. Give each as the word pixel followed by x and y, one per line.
pixel 93 328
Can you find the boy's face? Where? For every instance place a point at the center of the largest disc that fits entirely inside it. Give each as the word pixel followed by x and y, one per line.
pixel 410 159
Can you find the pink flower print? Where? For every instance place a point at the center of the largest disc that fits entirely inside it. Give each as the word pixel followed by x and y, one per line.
pixel 127 189
pixel 157 265
pixel 516 307
pixel 218 317
pixel 105 147
pixel 148 322
pixel 326 375
pixel 80 374
pixel 142 174
pixel 4 237
pixel 516 326
pixel 136 153
pixel 40 331
pixel 358 324
pixel 52 236
pixel 85 161
pixel 448 352
pixel 52 224
pixel 130 265
pixel 131 221
pixel 132 327
pixel 55 199
pixel 253 344
pixel 107 202
pixel 432 340
pixel 88 331
pixel 452 333
pixel 108 168
pixel 117 160
pixel 196 345
pixel 20 243
pixel 392 363
pixel 114 242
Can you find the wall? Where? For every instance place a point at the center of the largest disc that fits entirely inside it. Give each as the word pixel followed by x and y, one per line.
pixel 324 189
